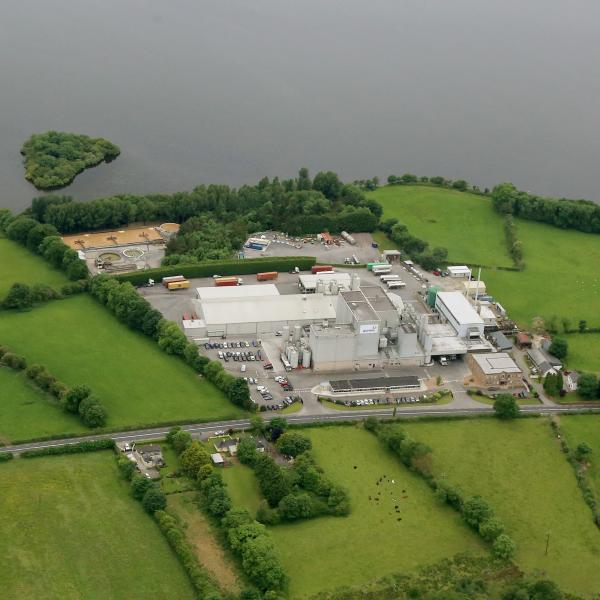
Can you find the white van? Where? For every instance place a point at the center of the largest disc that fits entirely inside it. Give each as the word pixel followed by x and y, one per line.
pixel 243 368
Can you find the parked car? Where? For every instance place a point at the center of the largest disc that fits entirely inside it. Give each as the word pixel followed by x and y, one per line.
pixel 243 368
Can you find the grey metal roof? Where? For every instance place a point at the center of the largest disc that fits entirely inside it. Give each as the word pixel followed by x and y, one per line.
pixel 501 340
pixel 374 383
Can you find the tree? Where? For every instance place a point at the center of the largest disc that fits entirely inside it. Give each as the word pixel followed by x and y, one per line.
pixel 491 529
pixel 293 444
pixel 276 427
pixel 257 425
pixel 328 184
pixel 553 383
pixel 92 412
pixel 582 326
pixel 559 348
pixel 154 499
pixel 74 396
pixel 170 338
pixel 587 386
pixel 19 297
pixel 272 479
pixel 582 451
pixel 239 393
pixel 193 458
pixel 126 467
pixel 506 407
pixel 476 510
pixel 262 563
pixel 180 441
pixel 246 451
pixel 295 506
pixel 504 547
pixel 139 486
pixel 460 184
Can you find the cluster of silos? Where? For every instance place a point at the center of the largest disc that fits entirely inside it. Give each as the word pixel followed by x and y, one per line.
pixel 296 351
pixel 293 356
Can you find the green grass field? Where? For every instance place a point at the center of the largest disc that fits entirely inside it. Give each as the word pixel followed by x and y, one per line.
pixel 561 277
pixel 585 428
pixel 69 530
pixel 81 342
pixel 242 487
pixel 25 412
pixel 519 468
pixel 17 264
pixel 584 352
pixel 328 552
pixel 463 223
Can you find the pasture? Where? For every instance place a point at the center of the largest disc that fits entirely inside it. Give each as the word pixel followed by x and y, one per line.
pixel 26 412
pixel 69 529
pixel 584 352
pixel 376 538
pixel 518 467
pixel 81 342
pixel 465 224
pixel 17 264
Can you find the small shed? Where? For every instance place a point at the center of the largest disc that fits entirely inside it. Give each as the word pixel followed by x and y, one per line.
pixel 523 340
pixel 459 271
pixel 392 255
pixel 570 381
pixel 501 341
pixel 217 459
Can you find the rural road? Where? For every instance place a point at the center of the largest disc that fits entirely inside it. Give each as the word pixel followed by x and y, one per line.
pixel 201 428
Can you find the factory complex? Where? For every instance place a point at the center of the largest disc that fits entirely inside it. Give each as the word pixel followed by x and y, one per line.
pixel 335 322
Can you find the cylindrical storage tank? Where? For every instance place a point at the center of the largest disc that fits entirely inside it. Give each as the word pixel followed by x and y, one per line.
pixel 297 333
pixel 355 282
pixel 293 357
pixel 333 288
pixel 383 342
pixel 288 350
pixel 285 331
pixel 306 358
pixel 320 286
pixel 432 295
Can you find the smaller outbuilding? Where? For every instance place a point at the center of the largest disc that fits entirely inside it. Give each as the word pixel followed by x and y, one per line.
pixel 150 454
pixel 501 341
pixel 543 362
pixel 228 446
pixel 459 271
pixel 217 459
pixel 570 381
pixel 474 288
pixel 523 340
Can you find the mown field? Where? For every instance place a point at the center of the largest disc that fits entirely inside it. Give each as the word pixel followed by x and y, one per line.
pixel 465 224
pixel 69 530
pixel 242 487
pixel 372 541
pixel 584 352
pixel 17 264
pixel 25 412
pixel 519 469
pixel 561 276
pixel 81 342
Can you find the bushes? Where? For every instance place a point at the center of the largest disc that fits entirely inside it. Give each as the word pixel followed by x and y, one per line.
pixel 222 267
pixel 293 444
pixel 215 494
pixel 78 448
pixel 193 458
pixel 6 456
pixel 235 388
pixel 14 361
pixel 202 582
pixel 506 407
pixel 514 246
pixel 252 543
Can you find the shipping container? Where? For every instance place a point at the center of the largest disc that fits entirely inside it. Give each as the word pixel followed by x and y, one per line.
pixel 348 238
pixel 182 284
pixel 395 283
pixel 223 281
pixel 386 278
pixel 321 269
pixel 381 269
pixel 375 264
pixel 255 246
pixel 266 276
pixel 167 280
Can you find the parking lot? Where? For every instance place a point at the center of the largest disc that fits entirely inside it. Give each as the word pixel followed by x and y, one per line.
pixel 259 365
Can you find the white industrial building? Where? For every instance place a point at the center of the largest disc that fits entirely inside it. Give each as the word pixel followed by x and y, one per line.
pixel 454 308
pixel 459 271
pixel 327 282
pixel 236 291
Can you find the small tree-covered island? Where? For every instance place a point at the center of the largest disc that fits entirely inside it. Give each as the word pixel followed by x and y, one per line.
pixel 53 159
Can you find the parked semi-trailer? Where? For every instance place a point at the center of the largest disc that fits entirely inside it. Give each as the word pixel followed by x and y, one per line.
pixel 180 284
pixel 381 269
pixel 266 276
pixel 375 264
pixel 167 280
pixel 222 281
pixel 321 269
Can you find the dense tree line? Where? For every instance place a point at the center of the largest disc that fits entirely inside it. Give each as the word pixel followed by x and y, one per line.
pixel 77 448
pixel 53 159
pixel 78 400
pixel 301 491
pixel 475 511
pixel 458 184
pixel 417 249
pixel 567 214
pixel 299 205
pixel 514 246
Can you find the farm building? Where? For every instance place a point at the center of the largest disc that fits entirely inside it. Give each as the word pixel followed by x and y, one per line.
pixel 543 362
pixel 494 369
pixel 474 288
pixel 501 341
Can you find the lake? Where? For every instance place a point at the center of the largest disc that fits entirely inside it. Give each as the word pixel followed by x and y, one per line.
pixel 229 91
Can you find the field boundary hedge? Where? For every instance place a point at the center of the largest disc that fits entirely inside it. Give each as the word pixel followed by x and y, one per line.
pixel 6 456
pixel 246 266
pixel 77 448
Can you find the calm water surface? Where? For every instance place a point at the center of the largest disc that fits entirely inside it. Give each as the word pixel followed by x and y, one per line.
pixel 198 91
